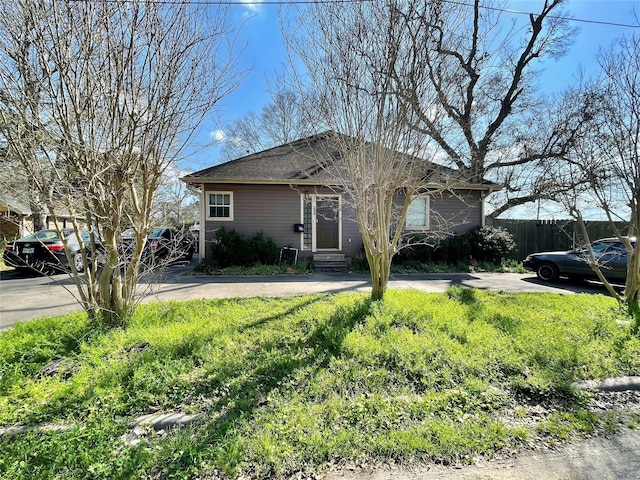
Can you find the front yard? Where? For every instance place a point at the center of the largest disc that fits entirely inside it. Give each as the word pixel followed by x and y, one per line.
pixel 307 383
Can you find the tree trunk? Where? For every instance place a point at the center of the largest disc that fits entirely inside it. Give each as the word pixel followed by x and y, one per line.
pixel 380 266
pixel 39 217
pixel 633 306
pixel 632 289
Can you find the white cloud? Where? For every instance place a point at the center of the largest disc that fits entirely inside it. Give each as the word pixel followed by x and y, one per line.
pixel 253 7
pixel 218 135
pixel 237 141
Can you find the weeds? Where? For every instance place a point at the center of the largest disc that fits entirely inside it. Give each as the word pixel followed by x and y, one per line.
pixel 289 385
pixel 303 267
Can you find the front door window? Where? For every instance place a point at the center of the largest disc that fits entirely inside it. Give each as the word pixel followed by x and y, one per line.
pixel 327 230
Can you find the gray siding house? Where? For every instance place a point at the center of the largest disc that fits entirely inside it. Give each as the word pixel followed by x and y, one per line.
pixel 282 193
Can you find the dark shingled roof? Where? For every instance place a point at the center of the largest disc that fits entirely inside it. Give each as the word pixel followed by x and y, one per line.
pixel 286 163
pixel 298 162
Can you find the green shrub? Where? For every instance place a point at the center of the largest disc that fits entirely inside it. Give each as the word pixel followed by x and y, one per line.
pixel 414 253
pixel 264 248
pixel 453 249
pixel 229 248
pixel 359 264
pixel 234 249
pixel 490 243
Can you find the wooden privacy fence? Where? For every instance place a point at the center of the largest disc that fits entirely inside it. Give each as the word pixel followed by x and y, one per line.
pixel 548 235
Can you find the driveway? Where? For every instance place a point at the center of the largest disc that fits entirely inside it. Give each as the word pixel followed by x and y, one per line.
pixel 24 296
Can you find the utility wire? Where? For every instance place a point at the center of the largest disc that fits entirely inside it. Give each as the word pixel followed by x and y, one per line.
pixel 312 2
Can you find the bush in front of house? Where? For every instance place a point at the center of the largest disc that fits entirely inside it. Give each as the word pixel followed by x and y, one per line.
pixel 234 249
pixel 449 250
pixel 491 244
pixel 486 244
pixel 264 249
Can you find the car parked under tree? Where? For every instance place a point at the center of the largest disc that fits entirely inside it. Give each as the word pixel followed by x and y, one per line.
pixel 164 245
pixel 610 255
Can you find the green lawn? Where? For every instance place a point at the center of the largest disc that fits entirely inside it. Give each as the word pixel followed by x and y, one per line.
pixel 295 384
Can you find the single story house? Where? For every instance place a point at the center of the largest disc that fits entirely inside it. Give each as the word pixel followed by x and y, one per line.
pixel 17 218
pixel 283 193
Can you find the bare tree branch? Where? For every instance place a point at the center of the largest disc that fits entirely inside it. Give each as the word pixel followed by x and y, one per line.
pixel 98 100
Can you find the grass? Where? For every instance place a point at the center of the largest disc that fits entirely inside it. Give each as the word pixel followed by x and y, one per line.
pixel 295 384
pixel 504 266
pixel 360 266
pixel 257 269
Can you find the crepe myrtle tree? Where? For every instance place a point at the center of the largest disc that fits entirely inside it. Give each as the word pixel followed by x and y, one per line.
pixel 97 100
pixel 603 170
pixel 372 156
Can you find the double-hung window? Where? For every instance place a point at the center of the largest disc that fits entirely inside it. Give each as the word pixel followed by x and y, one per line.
pixel 220 206
pixel 418 213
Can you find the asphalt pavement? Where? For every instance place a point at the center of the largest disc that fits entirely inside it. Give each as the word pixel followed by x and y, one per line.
pixel 25 296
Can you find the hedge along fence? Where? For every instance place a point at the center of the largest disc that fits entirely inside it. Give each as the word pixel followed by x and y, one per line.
pixel 548 235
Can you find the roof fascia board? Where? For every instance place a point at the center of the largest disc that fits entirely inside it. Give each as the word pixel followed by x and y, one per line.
pixel 434 186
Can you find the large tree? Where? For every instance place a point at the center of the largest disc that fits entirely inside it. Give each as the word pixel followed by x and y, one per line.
pixel 280 121
pixel 97 100
pixel 472 84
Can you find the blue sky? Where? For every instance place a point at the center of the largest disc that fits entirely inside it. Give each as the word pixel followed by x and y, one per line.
pixel 263 54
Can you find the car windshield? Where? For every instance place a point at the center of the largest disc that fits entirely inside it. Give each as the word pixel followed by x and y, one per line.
pixel 617 248
pixel 156 233
pixel 597 247
pixel 600 247
pixel 42 235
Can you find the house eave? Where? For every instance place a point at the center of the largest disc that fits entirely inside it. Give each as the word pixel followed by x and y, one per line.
pixel 250 181
pixel 297 181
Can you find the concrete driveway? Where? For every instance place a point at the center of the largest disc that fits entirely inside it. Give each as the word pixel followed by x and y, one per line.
pixel 24 296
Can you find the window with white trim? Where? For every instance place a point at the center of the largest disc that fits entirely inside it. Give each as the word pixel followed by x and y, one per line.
pixel 220 206
pixel 418 213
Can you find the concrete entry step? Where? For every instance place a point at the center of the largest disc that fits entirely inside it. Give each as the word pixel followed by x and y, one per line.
pixel 330 262
pixel 329 257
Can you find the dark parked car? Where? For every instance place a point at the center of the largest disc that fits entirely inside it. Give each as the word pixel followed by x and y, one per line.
pixel 44 251
pixel 164 245
pixel 610 254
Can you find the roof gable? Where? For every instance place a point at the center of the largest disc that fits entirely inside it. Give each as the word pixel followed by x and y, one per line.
pixel 284 163
pixel 297 162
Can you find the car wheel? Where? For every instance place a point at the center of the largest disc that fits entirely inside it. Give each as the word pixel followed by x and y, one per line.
pixel 77 262
pixel 547 272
